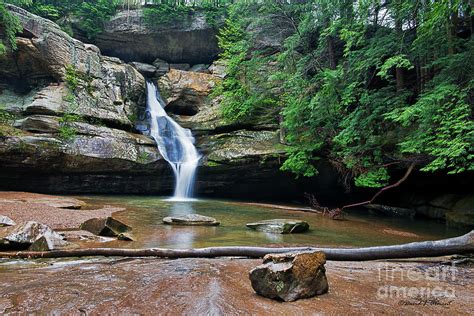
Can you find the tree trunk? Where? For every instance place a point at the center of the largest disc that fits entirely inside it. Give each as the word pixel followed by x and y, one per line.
pixel 399 74
pixel 451 246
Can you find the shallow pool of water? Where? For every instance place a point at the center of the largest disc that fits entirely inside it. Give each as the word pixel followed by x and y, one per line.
pixel 359 228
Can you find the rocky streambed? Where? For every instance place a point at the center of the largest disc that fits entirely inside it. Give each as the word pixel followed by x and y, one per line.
pixel 221 286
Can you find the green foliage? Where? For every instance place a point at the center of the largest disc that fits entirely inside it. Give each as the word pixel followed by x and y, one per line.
pixel 5 116
pixel 143 157
pixel 246 91
pixel 164 15
pixel 90 14
pixel 361 88
pixel 67 132
pixel 301 163
pixel 398 61
pixel 75 79
pixel 439 126
pixel 11 26
pixel 72 77
pixel 93 16
pixel 214 14
pixel 373 179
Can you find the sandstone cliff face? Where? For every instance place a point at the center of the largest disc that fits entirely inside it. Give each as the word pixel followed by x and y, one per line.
pixel 128 37
pixel 71 114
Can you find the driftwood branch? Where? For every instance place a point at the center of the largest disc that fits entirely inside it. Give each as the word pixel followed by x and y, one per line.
pixel 396 184
pixel 451 246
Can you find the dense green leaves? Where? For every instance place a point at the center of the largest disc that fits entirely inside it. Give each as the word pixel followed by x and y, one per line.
pixel 11 26
pixel 365 83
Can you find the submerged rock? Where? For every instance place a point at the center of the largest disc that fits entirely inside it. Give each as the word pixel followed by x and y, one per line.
pixel 24 235
pixel 290 276
pixel 125 236
pixel 6 221
pixel 280 226
pixel 109 227
pixel 191 219
pixel 391 210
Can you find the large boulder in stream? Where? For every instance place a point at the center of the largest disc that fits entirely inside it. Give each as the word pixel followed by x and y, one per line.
pixel 191 220
pixel 6 221
pixel 24 235
pixel 280 226
pixel 291 276
pixel 109 227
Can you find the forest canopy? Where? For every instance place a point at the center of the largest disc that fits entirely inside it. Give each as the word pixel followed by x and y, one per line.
pixel 367 84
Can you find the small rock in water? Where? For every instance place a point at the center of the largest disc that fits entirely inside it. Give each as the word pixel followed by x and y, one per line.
pixel 191 219
pixel 291 276
pixel 22 236
pixel 280 226
pixel 109 227
pixel 125 236
pixel 6 221
pixel 50 242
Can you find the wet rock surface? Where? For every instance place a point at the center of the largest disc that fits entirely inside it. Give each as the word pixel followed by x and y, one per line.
pixel 6 221
pixel 108 227
pixel 214 286
pixel 280 226
pixel 49 200
pixel 24 235
pixel 291 276
pixel 53 211
pixel 70 138
pixel 191 220
pixel 49 242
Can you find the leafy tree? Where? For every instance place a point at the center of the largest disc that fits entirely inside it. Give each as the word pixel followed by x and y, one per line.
pixel 367 84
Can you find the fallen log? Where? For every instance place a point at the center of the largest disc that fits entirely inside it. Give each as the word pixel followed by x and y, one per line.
pixel 444 247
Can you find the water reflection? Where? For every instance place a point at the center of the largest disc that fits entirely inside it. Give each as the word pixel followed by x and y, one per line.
pixel 145 215
pixel 181 208
pixel 273 237
pixel 182 238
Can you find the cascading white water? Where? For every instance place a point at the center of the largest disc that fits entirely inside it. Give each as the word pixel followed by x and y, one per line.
pixel 175 144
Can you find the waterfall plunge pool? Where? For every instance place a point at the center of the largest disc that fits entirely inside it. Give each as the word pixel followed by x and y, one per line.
pixel 359 229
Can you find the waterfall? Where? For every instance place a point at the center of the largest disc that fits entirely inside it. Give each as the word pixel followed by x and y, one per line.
pixel 175 144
